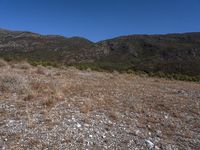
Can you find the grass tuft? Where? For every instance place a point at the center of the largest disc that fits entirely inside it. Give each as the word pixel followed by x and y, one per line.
pixel 13 83
pixel 3 63
pixel 22 65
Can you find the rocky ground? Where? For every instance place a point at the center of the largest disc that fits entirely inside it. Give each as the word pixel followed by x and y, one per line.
pixel 49 108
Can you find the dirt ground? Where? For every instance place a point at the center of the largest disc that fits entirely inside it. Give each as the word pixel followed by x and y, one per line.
pixel 51 108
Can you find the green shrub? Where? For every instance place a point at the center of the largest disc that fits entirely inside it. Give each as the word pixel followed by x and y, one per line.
pixel 44 63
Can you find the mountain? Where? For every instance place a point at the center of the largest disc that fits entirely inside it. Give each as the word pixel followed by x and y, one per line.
pixel 47 47
pixel 170 53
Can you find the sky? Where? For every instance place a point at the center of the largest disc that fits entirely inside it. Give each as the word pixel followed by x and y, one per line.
pixel 100 19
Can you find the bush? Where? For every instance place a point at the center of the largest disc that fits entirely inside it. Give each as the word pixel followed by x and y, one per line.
pixel 44 63
pixel 41 69
pixel 130 71
pixel 22 65
pixel 3 63
pixel 13 83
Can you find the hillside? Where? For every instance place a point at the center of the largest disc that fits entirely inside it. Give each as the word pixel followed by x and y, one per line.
pixel 169 54
pixel 32 46
pixel 51 108
pixel 172 53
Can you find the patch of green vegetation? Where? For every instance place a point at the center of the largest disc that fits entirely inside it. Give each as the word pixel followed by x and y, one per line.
pixel 44 63
pixel 105 66
pixel 128 68
pixel 130 65
pixel 175 76
pixel 34 58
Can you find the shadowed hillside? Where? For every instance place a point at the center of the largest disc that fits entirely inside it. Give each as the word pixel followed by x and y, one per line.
pixel 172 53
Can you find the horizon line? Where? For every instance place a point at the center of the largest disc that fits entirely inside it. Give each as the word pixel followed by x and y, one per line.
pixel 121 35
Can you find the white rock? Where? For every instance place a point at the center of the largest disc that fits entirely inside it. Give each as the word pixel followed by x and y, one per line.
pixel 87 125
pixel 149 144
pixel 149 133
pixel 137 132
pixel 78 125
pixel 73 118
pixel 11 121
pixel 90 136
pixel 157 148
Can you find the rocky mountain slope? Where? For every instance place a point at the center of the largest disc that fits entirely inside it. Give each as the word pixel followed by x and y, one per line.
pixel 27 44
pixel 172 53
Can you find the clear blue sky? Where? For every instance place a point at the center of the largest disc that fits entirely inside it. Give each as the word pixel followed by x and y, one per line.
pixel 100 19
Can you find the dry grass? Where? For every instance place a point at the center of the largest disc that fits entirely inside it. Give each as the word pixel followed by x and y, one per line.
pixel 86 107
pixel 48 96
pixel 21 65
pixel 3 63
pixel 13 82
pixel 41 70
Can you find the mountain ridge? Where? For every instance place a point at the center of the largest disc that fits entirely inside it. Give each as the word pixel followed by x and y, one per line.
pixel 168 53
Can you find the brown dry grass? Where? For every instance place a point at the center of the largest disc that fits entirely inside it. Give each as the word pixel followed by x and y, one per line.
pixel 3 63
pixel 21 65
pixel 13 82
pixel 152 100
